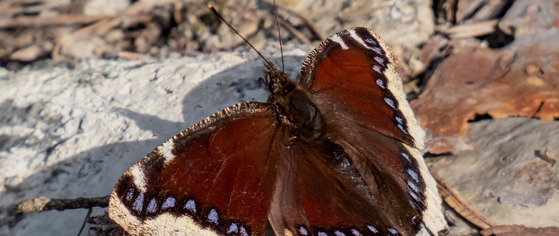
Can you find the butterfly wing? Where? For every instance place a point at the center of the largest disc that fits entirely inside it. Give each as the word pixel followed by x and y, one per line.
pixel 353 73
pixel 351 77
pixel 325 189
pixel 207 180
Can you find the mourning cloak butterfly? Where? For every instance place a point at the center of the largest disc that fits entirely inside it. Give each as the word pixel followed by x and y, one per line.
pixel 334 154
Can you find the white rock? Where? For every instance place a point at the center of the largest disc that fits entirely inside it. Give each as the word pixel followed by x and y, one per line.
pixel 75 128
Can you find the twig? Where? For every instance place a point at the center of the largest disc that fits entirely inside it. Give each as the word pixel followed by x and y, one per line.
pixel 132 55
pixel 46 204
pixel 472 29
pixel 309 23
pixel 520 230
pixel 295 32
pixel 452 197
pixel 85 220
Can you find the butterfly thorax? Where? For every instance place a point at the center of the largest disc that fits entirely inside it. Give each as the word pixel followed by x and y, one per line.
pixel 296 110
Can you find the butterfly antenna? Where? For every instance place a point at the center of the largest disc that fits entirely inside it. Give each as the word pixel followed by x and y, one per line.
pixel 279 36
pixel 237 32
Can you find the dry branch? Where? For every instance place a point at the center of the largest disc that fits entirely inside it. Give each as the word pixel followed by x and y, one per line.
pixel 46 204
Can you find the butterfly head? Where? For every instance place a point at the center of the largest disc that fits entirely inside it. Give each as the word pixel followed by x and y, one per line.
pixel 277 82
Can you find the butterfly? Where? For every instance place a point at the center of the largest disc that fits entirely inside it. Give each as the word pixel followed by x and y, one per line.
pixel 335 153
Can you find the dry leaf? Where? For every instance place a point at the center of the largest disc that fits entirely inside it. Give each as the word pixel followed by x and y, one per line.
pixel 521 80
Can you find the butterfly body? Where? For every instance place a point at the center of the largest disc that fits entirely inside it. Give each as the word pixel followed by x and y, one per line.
pixel 333 154
pixel 296 110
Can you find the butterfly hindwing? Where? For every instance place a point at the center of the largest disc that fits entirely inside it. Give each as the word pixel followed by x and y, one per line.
pixel 207 180
pixel 321 190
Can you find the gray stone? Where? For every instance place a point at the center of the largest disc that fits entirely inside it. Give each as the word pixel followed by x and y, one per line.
pixel 504 176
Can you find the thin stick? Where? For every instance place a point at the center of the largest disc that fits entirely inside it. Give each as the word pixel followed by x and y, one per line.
pixel 520 230
pixel 295 32
pixel 236 32
pixel 313 28
pixel 279 35
pixel 46 204
pixel 85 220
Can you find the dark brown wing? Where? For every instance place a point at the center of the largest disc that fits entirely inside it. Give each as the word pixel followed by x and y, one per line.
pixel 327 189
pixel 351 77
pixel 214 178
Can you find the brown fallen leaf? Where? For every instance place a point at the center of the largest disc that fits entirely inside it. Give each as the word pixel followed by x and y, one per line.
pixel 520 80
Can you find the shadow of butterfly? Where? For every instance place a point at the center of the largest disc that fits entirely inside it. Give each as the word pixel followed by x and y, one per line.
pixel 334 154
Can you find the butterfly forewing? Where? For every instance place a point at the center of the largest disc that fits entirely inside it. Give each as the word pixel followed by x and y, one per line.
pixel 352 79
pixel 207 180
